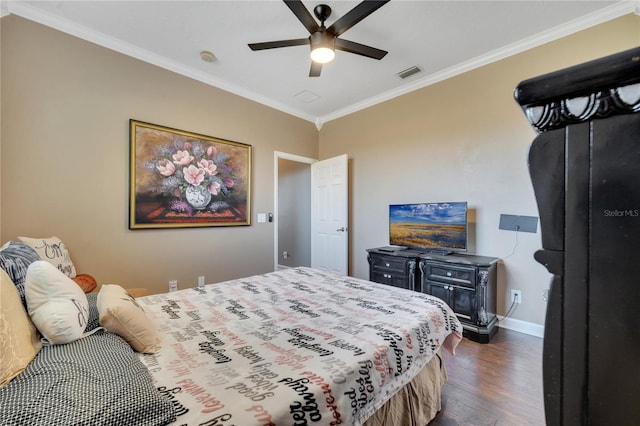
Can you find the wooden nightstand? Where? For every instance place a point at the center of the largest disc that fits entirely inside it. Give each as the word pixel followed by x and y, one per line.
pixel 138 291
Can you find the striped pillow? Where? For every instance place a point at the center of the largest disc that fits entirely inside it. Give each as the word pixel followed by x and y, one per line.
pixel 15 258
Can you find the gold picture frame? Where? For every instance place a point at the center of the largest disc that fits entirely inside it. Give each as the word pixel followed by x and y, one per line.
pixel 180 179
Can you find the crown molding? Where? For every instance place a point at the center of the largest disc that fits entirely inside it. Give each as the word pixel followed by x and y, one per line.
pixel 85 33
pixel 612 12
pixel 4 8
pixel 34 14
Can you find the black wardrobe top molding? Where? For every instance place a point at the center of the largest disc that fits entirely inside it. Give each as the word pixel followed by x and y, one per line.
pixel 596 89
pixel 610 72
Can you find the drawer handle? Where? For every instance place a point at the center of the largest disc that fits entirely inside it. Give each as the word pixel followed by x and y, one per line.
pixel 387 265
pixel 448 274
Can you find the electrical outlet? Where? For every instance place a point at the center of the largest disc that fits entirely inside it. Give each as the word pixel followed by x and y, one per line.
pixel 516 296
pixel 201 281
pixel 173 285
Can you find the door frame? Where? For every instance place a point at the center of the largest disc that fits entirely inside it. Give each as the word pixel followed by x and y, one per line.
pixel 277 155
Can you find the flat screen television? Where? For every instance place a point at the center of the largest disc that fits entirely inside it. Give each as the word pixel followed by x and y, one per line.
pixel 438 227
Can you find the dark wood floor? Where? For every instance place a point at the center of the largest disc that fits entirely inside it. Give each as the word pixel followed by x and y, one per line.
pixel 499 383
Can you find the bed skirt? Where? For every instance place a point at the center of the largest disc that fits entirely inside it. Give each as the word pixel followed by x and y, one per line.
pixel 418 402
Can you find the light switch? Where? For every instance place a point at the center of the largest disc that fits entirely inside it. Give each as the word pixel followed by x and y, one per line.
pixel 262 217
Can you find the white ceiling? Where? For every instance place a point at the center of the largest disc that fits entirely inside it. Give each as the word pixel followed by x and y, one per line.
pixel 444 38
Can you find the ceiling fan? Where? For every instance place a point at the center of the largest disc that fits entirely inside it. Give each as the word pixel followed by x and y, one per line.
pixel 323 41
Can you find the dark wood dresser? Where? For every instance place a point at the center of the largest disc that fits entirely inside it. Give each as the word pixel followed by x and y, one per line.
pixel 585 169
pixel 397 268
pixel 467 283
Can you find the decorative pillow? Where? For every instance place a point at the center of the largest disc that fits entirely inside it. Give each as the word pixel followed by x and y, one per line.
pixel 93 321
pixel 57 306
pixel 120 314
pixel 54 251
pixel 86 282
pixel 97 380
pixel 20 339
pixel 15 258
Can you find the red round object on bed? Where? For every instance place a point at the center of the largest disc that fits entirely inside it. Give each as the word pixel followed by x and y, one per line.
pixel 86 282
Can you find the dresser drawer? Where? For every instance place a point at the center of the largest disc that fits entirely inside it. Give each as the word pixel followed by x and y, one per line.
pixel 389 263
pixel 396 280
pixel 456 275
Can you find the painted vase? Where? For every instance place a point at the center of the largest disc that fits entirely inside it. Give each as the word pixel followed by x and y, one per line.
pixel 198 197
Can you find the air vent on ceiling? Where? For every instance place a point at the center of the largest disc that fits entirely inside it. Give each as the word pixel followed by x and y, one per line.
pixel 409 72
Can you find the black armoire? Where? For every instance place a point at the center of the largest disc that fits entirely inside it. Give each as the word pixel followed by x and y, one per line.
pixel 585 170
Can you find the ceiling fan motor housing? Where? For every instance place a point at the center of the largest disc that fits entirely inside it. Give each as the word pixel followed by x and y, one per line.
pixel 322 39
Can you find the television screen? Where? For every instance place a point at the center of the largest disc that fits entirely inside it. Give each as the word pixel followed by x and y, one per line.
pixel 430 226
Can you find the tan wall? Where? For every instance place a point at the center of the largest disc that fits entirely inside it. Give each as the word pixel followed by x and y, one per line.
pixel 464 139
pixel 66 105
pixel 64 157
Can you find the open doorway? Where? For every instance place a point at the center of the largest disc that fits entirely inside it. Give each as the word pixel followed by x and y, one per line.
pixel 292 210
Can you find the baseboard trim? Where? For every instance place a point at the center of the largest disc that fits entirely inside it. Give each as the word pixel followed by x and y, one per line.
pixel 521 326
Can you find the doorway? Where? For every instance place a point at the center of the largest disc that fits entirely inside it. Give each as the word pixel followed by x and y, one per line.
pixel 292 210
pixel 315 206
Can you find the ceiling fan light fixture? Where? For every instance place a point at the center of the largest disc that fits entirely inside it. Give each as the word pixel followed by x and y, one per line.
pixel 322 55
pixel 322 47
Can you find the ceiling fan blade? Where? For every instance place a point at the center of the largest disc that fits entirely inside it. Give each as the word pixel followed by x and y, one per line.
pixel 315 69
pixel 303 15
pixel 355 15
pixel 279 43
pixel 359 49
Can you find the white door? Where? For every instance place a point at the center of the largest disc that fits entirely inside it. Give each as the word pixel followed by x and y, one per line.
pixel 329 215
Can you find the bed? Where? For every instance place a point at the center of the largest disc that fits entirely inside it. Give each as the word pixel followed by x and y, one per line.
pixel 293 347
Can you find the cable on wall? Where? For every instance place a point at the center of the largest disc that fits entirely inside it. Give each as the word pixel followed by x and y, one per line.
pixel 515 245
pixel 509 311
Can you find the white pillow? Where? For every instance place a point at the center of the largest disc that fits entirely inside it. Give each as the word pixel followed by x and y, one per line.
pixel 121 314
pixel 54 251
pixel 58 307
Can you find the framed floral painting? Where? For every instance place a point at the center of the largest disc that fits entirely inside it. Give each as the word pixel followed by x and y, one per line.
pixel 183 179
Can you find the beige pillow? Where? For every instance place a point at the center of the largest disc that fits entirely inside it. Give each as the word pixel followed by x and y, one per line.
pixel 120 314
pixel 20 339
pixel 54 251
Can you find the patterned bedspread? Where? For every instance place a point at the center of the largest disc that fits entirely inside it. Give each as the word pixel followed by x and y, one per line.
pixel 293 347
